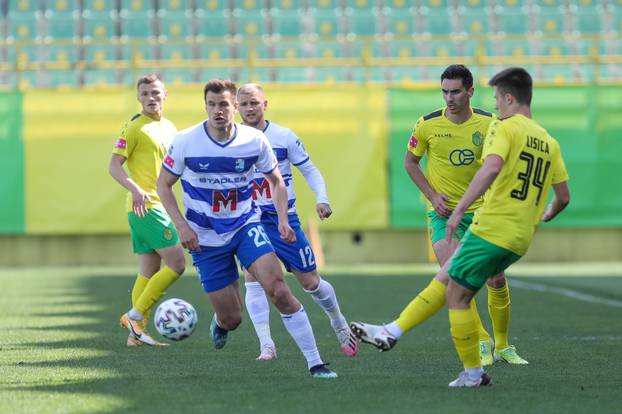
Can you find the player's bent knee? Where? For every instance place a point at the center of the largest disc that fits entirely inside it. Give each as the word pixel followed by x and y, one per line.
pixel 496 281
pixel 309 281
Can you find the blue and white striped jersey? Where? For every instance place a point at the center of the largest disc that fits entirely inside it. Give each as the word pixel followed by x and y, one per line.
pixel 288 150
pixel 216 179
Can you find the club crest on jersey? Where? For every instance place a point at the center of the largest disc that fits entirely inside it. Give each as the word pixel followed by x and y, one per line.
pixel 477 138
pixel 121 144
pixel 413 141
pixel 239 165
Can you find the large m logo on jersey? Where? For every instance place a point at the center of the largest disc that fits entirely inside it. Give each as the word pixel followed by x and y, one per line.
pixel 226 202
pixel 261 189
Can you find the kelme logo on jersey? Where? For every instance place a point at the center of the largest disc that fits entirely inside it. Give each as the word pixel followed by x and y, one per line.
pixel 460 157
pixel 477 138
pixel 239 165
pixel 167 234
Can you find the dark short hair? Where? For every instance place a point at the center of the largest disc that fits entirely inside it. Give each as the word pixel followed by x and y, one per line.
pixel 219 86
pixel 515 81
pixel 459 72
pixel 147 79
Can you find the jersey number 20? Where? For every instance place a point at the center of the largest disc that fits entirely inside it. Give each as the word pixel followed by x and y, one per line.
pixel 536 176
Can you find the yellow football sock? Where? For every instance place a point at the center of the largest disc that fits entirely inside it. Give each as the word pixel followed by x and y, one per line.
pixel 429 301
pixel 137 290
pixel 499 309
pixel 482 333
pixel 155 289
pixel 464 334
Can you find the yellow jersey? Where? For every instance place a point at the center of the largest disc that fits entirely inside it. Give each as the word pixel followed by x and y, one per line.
pixel 145 142
pixel 453 152
pixel 514 204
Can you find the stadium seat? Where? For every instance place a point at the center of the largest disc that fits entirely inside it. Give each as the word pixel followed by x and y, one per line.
pixel 61 55
pixel 327 49
pixel 398 4
pixel 138 52
pixel 250 23
pixel 102 77
pixel 255 74
pixel 324 4
pixel 287 4
pixel 614 19
pixel 404 49
pixel 287 22
pixel 364 22
pixel 400 22
pixel 176 52
pixel 588 19
pixel 99 25
pixel 214 51
pixel 326 22
pixel 25 26
pixel 175 6
pixel 139 24
pixel 435 4
pixel 212 5
pixel 475 4
pixel 176 25
pixel 254 5
pixel 23 6
pixel 293 49
pixel 55 78
pixel 205 74
pixel 474 21
pixel 252 50
pixel 406 74
pixel 101 52
pixel 178 76
pixel 292 74
pixel 552 20
pixel 99 6
pixel 510 4
pixel 437 20
pixel 213 24
pixel 62 25
pixel 62 6
pixel 360 4
pixel 510 20
pixel 134 6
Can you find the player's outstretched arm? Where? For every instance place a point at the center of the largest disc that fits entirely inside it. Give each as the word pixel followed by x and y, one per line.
pixel 413 168
pixel 139 196
pixel 279 198
pixel 482 180
pixel 560 200
pixel 187 236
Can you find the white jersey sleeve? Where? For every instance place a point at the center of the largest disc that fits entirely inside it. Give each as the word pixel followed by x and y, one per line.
pixel 266 162
pixel 174 162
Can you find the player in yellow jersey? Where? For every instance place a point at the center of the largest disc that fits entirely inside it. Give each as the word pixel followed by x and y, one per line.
pixel 452 138
pixel 521 161
pixel 143 144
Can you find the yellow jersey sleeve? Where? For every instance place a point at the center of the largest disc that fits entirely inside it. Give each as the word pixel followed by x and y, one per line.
pixel 126 142
pixel 497 141
pixel 560 174
pixel 418 143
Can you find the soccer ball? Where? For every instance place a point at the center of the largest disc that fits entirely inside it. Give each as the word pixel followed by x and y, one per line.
pixel 175 319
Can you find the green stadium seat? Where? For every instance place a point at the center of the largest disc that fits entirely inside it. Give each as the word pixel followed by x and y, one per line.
pixel 293 49
pixel 214 51
pixel 287 22
pixel 59 78
pixel 475 4
pixel 254 5
pixel 327 49
pixel 205 74
pixel 474 21
pixel 28 79
pixel 614 20
pixel 407 74
pixel 513 4
pixel 373 74
pixel 26 53
pixel 61 54
pixel 63 6
pixel 511 20
pixel 250 23
pixel 517 48
pixel 99 6
pixel 23 6
pixel 139 52
pixel 324 4
pixel 252 50
pixel 176 25
pixel 438 21
pixel 213 24
pixel 400 22
pixel 101 52
pixel 588 18
pixel 610 72
pixel 178 76
pixel 287 4
pixel 212 5
pixel 326 22
pixel 561 74
pixel 137 24
pixel 328 75
pixel 360 4
pixel 134 6
pixel 554 47
pixel 435 4
pixel 549 3
pixel 176 52
pixel 62 25
pixel 175 5
pixel 25 26
pixel 254 74
pixel 552 20
pixel 398 4
pixel 99 26
pixel 364 22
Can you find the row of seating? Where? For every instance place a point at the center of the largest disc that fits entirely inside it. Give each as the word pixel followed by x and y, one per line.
pixel 310 23
pixel 389 52
pixel 561 74
pixel 257 5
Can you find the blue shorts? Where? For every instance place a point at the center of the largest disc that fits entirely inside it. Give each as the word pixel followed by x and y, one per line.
pixel 298 256
pixel 216 265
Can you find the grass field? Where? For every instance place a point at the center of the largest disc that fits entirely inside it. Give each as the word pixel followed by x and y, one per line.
pixel 61 350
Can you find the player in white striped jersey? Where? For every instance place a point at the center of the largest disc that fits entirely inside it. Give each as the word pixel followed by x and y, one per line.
pixel 216 160
pixel 298 257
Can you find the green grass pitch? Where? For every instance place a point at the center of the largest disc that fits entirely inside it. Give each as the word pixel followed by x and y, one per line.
pixel 62 351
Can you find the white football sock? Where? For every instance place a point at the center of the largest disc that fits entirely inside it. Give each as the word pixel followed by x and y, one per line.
pixel 299 327
pixel 394 329
pixel 134 314
pixel 258 309
pixel 325 296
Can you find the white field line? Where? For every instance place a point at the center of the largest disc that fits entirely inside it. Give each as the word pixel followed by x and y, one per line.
pixel 566 292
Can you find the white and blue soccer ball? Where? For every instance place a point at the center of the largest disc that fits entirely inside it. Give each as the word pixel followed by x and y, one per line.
pixel 175 319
